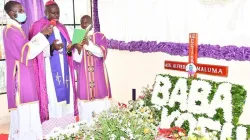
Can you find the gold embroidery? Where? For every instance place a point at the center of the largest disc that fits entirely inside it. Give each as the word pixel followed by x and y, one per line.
pixel 105 98
pixel 23 48
pixel 8 26
pixel 106 79
pixel 17 96
pixel 104 52
pixel 29 103
pixel 12 109
pixel 35 41
pixel 23 104
pixel 89 53
pixel 92 84
pixel 28 53
pixel 85 68
pixel 91 68
pixel 14 69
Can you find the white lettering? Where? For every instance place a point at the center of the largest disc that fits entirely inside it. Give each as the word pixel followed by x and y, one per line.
pixel 196 95
pixel 162 86
pixel 195 102
pixel 220 71
pixel 214 70
pixel 168 65
pixel 174 65
pixel 166 119
pixel 209 70
pixel 222 99
pixel 179 94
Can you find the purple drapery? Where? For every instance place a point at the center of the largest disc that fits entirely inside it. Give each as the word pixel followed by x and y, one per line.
pixel 34 10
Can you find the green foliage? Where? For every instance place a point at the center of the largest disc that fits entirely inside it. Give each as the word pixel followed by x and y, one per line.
pixel 141 118
pixel 238 100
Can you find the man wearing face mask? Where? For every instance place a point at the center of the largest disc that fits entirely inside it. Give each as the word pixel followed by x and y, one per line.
pixel 93 87
pixel 21 90
pixel 55 73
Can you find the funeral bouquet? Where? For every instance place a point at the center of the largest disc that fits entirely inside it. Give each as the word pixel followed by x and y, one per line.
pixel 175 133
pixel 124 122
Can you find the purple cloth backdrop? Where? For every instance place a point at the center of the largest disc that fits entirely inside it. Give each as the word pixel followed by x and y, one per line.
pixel 34 10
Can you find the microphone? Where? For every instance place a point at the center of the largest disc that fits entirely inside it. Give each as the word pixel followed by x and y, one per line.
pixel 53 22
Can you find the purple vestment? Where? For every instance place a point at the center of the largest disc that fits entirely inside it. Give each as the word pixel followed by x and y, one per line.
pixel 93 81
pixel 39 67
pixel 20 72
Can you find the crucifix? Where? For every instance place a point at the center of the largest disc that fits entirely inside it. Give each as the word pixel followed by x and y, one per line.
pixel 35 41
pixel 67 82
pixel 192 67
pixel 58 78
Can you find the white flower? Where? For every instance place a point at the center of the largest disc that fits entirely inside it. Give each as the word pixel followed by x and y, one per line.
pixel 123 129
pixel 180 86
pixel 189 117
pixel 161 89
pixel 226 131
pixel 196 95
pixel 141 102
pixel 129 124
pixel 224 90
pixel 120 121
pixel 112 137
pixel 122 138
pixel 241 133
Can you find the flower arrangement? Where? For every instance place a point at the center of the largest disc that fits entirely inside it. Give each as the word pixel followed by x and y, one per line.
pixel 191 103
pixel 124 122
pixel 175 133
pixel 158 114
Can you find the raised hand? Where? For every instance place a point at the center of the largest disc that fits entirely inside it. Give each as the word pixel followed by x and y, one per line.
pixel 78 47
pixel 85 42
pixel 56 46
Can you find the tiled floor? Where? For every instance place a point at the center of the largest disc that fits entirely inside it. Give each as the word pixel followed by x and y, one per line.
pixel 4 128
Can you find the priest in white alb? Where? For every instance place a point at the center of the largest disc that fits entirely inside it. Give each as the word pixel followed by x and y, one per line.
pixel 22 95
pixel 55 73
pixel 93 88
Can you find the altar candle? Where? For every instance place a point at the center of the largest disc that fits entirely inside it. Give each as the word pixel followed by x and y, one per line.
pixel 133 94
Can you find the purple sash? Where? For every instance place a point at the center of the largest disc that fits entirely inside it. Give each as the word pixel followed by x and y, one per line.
pixel 62 85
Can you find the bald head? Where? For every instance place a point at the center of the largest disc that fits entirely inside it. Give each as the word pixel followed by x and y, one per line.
pixel 52 11
pixel 85 21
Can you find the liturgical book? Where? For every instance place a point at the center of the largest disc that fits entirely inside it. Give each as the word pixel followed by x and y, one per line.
pixel 78 36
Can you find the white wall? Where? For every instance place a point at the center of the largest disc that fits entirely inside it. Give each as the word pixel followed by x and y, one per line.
pixel 129 70
pixel 171 21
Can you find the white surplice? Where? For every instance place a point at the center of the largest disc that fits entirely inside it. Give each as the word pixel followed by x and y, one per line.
pixel 60 113
pixel 25 123
pixel 57 109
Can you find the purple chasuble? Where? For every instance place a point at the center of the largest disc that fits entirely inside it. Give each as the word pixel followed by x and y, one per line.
pixel 93 81
pixel 20 72
pixel 39 67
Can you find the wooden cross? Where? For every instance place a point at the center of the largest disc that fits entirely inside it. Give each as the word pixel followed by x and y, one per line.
pixel 192 67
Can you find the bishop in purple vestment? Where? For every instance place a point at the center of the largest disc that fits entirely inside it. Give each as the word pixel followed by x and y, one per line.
pixel 54 71
pixel 93 88
pixel 21 90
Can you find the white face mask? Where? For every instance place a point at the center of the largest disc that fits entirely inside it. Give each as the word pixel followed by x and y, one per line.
pixel 21 17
